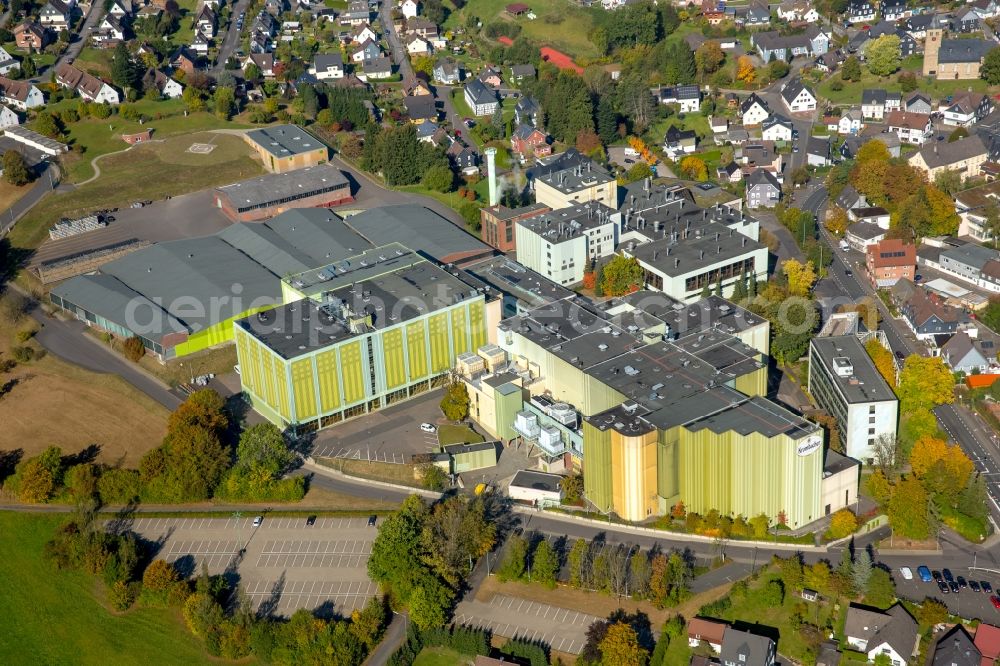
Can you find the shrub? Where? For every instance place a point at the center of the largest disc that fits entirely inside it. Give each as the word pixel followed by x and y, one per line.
pixel 25 334
pixel 23 354
pixel 121 595
pixel 133 349
pixel 119 486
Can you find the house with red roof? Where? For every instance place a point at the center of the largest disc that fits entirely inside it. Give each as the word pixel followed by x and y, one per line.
pixel 988 643
pixel 559 59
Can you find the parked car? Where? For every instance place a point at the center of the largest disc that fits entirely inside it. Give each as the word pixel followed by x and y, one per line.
pixel 924 573
pixel 937 575
pixel 995 600
pixel 943 587
pixel 310 521
pixel 428 427
pixel 974 586
pixel 987 588
pixel 947 575
pixel 962 582
pixel 907 574
pixel 954 586
pixel 257 521
pixel 371 520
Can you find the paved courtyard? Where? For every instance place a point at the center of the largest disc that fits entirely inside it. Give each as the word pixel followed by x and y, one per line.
pixel 287 565
pixel 563 630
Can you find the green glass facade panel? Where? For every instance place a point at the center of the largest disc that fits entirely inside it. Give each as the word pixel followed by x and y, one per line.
pixel 441 358
pixel 395 361
pixel 328 379
pixel 304 389
pixel 352 372
pixel 459 331
pixel 416 349
pixel 477 324
pixel 597 466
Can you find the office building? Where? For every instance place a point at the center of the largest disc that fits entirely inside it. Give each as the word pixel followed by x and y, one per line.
pixel 284 148
pixel 582 182
pixel 845 382
pixel 497 223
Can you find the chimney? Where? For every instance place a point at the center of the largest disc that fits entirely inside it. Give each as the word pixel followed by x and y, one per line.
pixel 677 262
pixel 491 171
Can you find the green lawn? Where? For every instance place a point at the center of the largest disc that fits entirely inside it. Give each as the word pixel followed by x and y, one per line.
pixel 560 23
pixel 441 656
pixel 123 180
pixel 92 137
pixel 457 434
pixel 92 59
pixel 851 92
pixel 53 617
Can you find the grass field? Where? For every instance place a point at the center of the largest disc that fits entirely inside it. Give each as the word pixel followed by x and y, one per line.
pixel 457 434
pixel 442 656
pixel 122 180
pixel 403 475
pixel 851 92
pixel 53 617
pixel 57 403
pixel 560 24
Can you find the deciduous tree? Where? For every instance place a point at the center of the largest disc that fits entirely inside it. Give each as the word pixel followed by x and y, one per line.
pixel 801 277
pixel 925 381
pixel 621 275
pixel 908 509
pixel 455 402
pixel 620 647
pixel 842 523
pixel 15 169
pixel 745 71
pixel 882 55
pixel 544 564
pixel 694 168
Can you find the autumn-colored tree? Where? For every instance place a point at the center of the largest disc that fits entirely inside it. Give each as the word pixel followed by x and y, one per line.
pixel 883 360
pixel 940 212
pixel 925 382
pixel 587 141
pixel 931 612
pixel 878 487
pixel 589 280
pixel 927 451
pixel 842 523
pixel 36 482
pixel 908 509
pixel 621 275
pixel 868 178
pixel 836 220
pixel 872 150
pixel 133 349
pixel 694 168
pixel 745 71
pixel 678 511
pixel 620 647
pixel 204 409
pixel 159 576
pixel 817 576
pixel 801 277
pixel 709 57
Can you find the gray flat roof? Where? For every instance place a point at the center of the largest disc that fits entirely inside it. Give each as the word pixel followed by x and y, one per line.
pixel 566 223
pixel 386 295
pixel 686 319
pixel 575 178
pixel 865 384
pixel 509 277
pixel 756 415
pixel 537 481
pixel 419 229
pixel 689 250
pixel 277 188
pixel 285 140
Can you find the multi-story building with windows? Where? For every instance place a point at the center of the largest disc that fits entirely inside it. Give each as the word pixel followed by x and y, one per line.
pixel 360 334
pixel 580 183
pixel 560 244
pixel 845 382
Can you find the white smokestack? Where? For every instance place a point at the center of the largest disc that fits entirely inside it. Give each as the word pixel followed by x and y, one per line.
pixel 491 173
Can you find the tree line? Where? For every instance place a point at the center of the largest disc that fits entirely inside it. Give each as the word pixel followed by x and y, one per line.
pixel 201 457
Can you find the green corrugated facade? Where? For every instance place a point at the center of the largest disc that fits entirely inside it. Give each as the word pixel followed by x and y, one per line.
pixel 324 383
pixel 597 483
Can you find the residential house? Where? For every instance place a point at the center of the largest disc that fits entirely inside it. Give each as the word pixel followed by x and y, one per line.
pixel 850 198
pixel 119 9
pixel 853 143
pixel 111 28
pixel 763 189
pixel 448 72
pixel 416 45
pixel 967 108
pixel 428 132
pixel 327 66
pixel 754 110
pixel 358 13
pixel 7 62
pixel 761 155
pixel 862 235
pixel 830 61
pixel 199 44
pixel 89 87
pixel 949 59
pixel 916 26
pixel 926 314
pixel 872 214
pixel 917 102
pixel 185 60
pixel 481 99
pixel 426 29
pixel 490 76
pixel 363 33
pixel 419 88
pixel 894 10
pixel 861 11
pixel 21 95
pixel 169 88
pixel 776 128
pixel 410 8
pixel 818 151
pixel 873 104
pixel 465 158
pixel 263 61
pixel 889 261
pixel 813 41
pixel 956 647
pixel 527 111
pixel 972 351
pixel 965 156
pixel 205 22
pixel 912 128
pixel 970 262
pixel 8 118
pixel 521 73
pixel 741 648
pixel 966 20
pixel 687 97
pixel 973 207
pixel 757 16
pixel 678 142
pixel 860 41
pixel 849 123
pixel 29 35
pixel 718 124
pixel 713 11
pixel 729 173
pixel 795 11
pixel 702 630
pixel 892 633
pixel 375 69
pixel 528 140
pixel 55 15
pixel 988 642
pixel 366 51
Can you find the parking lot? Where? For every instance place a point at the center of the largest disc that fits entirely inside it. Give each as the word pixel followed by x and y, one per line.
pixel 388 435
pixel 286 565
pixel 564 630
pixel 964 602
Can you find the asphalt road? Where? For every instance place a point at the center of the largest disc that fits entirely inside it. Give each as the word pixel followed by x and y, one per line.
pixel 79 41
pixel 232 37
pixel 48 176
pixel 395 43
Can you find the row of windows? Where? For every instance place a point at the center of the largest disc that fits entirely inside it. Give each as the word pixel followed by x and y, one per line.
pixel 712 277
